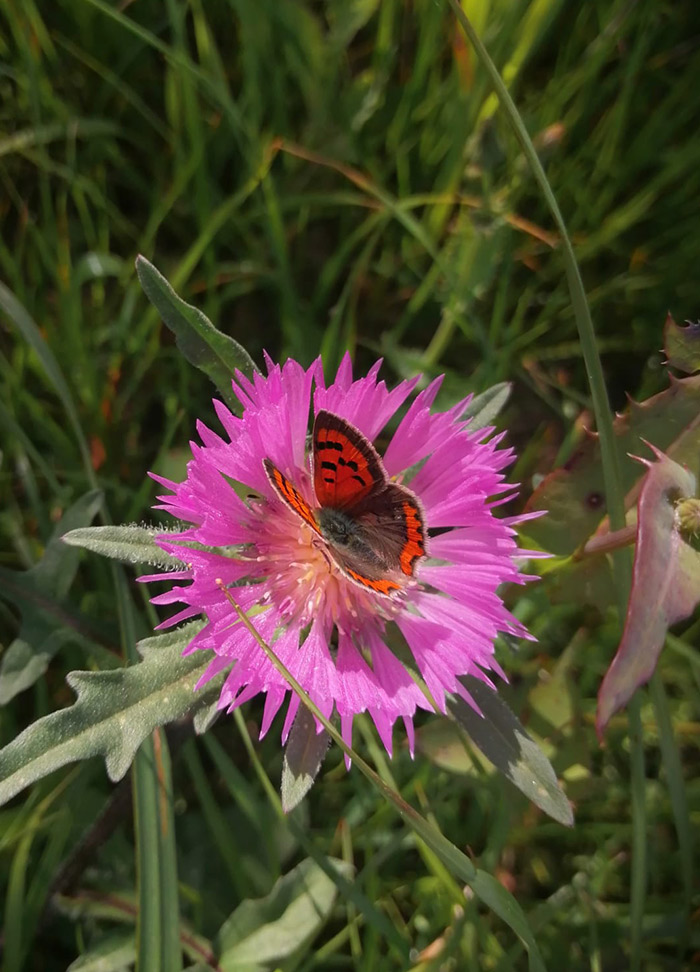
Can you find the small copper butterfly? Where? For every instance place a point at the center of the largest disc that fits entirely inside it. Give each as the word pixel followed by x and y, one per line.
pixel 373 529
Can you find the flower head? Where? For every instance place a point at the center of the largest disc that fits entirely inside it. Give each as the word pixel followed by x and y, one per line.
pixel 413 549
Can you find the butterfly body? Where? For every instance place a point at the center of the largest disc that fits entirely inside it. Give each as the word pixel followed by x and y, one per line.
pixel 374 529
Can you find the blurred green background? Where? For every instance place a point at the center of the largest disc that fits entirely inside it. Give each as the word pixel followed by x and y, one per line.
pixel 322 176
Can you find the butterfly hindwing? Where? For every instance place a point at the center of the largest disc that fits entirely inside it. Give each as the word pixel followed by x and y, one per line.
pixel 393 523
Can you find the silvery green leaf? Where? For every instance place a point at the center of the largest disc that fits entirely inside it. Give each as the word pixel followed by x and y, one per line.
pixel 303 756
pixel 130 543
pixel 484 408
pixel 114 712
pixel 48 621
pixel 503 740
pixel 210 350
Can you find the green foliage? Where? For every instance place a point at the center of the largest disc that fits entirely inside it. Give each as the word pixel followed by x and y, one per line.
pixel 502 739
pixel 327 177
pixel 115 711
pixel 214 353
pixel 40 594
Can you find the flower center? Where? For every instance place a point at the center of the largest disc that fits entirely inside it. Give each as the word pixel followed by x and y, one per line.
pixel 302 578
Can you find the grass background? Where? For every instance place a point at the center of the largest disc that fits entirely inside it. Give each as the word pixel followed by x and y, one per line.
pixel 316 177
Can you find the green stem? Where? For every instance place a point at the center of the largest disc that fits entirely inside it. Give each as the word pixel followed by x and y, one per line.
pixel 610 460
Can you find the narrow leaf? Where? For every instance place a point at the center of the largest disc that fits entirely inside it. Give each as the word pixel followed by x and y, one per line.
pixel 303 756
pixel 502 739
pixel 454 859
pixel 665 585
pixel 128 543
pixel 214 353
pixel 115 711
pixel 484 408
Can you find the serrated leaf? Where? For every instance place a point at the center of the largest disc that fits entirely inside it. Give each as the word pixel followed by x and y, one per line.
pixel 665 585
pixel 485 408
pixel 503 740
pixel 682 345
pixel 574 496
pixel 128 543
pixel 303 756
pixel 214 353
pixel 115 711
pixel 263 933
pixel 40 593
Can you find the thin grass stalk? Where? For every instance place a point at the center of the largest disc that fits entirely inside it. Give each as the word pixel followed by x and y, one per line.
pixel 614 493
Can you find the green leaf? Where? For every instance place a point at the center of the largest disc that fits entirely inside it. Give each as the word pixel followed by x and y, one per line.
pixel 442 742
pixel 40 593
pixel 574 496
pixel 303 756
pixel 263 933
pixel 214 353
pixel 484 408
pixel 112 954
pixel 682 345
pixel 158 924
pixel 665 585
pixel 454 859
pixel 128 543
pixel 115 711
pixel 502 739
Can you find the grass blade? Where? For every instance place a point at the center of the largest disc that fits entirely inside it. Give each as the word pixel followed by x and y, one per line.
pixel 677 791
pixel 27 327
pixel 503 904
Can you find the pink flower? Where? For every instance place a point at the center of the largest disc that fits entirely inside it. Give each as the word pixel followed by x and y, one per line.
pixel 330 631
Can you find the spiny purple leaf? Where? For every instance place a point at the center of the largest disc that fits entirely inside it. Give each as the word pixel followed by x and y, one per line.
pixel 665 585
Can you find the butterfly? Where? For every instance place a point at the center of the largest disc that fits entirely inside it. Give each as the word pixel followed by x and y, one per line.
pixel 374 530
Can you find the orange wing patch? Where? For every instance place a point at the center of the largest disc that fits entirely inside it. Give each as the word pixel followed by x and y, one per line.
pixel 380 585
pixel 414 547
pixel 290 495
pixel 347 467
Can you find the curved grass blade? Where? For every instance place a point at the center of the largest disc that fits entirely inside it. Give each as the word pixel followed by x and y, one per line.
pixel 611 466
pixel 679 801
pixel 27 327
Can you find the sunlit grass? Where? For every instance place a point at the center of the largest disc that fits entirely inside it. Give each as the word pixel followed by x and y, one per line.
pixel 328 177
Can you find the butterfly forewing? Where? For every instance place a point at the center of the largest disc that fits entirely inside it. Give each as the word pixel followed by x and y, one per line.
pixel 373 529
pixel 347 467
pixel 290 494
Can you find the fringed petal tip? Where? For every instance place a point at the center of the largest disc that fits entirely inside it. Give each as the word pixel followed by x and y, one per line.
pixel 244 540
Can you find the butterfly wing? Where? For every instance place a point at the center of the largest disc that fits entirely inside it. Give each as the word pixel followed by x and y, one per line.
pixel 392 522
pixel 290 495
pixel 380 544
pixel 347 467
